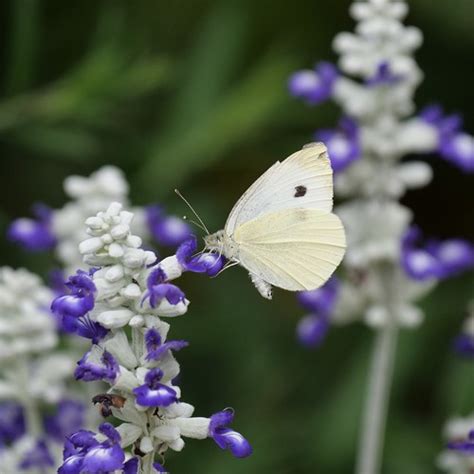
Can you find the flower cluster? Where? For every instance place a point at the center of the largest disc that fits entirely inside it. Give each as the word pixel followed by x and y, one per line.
pixel 33 377
pixel 128 287
pixel 458 457
pixel 378 128
pixel 62 229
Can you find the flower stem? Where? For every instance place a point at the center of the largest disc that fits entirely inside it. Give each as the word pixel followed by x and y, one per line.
pixel 32 417
pixel 147 464
pixel 376 405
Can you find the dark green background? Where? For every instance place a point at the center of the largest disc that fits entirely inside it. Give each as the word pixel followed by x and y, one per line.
pixel 192 94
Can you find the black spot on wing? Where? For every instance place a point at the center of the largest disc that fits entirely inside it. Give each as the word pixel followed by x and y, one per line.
pixel 300 191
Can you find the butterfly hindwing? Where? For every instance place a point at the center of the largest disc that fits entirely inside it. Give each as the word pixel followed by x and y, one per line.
pixel 294 249
pixel 303 180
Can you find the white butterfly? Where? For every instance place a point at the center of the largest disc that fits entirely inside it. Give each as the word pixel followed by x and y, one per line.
pixel 282 230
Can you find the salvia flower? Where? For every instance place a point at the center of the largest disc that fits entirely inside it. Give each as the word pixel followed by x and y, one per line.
pixel 435 259
pixel 33 234
pixel 384 76
pixel 69 417
pixel 313 328
pixel 206 262
pixel 454 145
pixel 167 230
pixel 314 86
pixel 225 437
pixel 343 143
pixel 12 422
pixel 38 458
pixel 97 364
pixel 158 289
pixel 465 446
pixel 464 342
pixel 84 453
pixel 153 393
pixel 156 348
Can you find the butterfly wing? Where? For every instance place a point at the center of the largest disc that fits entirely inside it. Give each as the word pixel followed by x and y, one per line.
pixel 303 180
pixel 294 249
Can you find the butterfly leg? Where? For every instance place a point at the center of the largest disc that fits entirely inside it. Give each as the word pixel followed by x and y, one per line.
pixel 263 287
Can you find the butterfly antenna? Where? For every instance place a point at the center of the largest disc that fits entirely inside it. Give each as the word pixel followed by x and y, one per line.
pixel 193 211
pixel 199 226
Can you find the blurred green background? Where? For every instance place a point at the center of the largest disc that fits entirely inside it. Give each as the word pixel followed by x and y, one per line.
pixel 192 94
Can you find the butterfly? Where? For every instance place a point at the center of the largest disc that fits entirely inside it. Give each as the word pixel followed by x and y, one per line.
pixel 282 230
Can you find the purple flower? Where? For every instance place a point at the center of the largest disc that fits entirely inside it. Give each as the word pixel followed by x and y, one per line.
pixel 464 345
pixel 91 368
pixel 166 230
pixel 384 76
pixel 225 437
pixel 33 234
pixel 38 458
pixel 314 86
pixel 156 348
pixel 158 289
pixel 69 418
pixel 313 328
pixel 321 300
pixel 12 422
pixel 435 259
pixel 207 262
pixel 83 453
pixel 159 468
pixel 342 143
pixel 454 145
pixel 464 447
pixel 72 308
pixel 153 393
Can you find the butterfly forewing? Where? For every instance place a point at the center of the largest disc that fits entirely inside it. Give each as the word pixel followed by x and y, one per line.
pixel 303 180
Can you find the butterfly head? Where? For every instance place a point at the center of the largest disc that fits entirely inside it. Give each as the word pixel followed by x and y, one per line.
pixel 215 241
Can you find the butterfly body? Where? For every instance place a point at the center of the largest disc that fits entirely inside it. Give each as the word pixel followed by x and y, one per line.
pixel 282 229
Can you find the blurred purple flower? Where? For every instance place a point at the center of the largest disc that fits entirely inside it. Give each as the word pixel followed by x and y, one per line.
pixel 384 76
pixel 436 259
pixel 166 230
pixel 464 447
pixel 314 86
pixel 33 234
pixel 343 143
pixel 12 422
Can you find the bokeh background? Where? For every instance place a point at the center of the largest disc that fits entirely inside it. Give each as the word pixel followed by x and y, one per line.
pixel 192 94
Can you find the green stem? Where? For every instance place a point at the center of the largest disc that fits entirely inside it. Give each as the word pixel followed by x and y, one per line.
pixel 377 400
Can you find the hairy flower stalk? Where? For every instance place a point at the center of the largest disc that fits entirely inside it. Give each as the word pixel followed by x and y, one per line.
pixel 121 304
pixel 388 264
pixel 63 230
pixel 33 377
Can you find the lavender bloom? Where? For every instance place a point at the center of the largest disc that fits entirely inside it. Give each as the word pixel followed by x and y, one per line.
pixel 384 76
pixel 69 418
pixel 91 367
pixel 83 453
pixel 156 349
pixel 225 437
pixel 436 259
pixel 38 458
pixel 464 447
pixel 313 328
pixel 454 145
pixel 72 308
pixel 209 263
pixel 464 345
pixel 314 86
pixel 166 230
pixel 12 422
pixel 342 143
pixel 33 234
pixel 153 393
pixel 158 289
